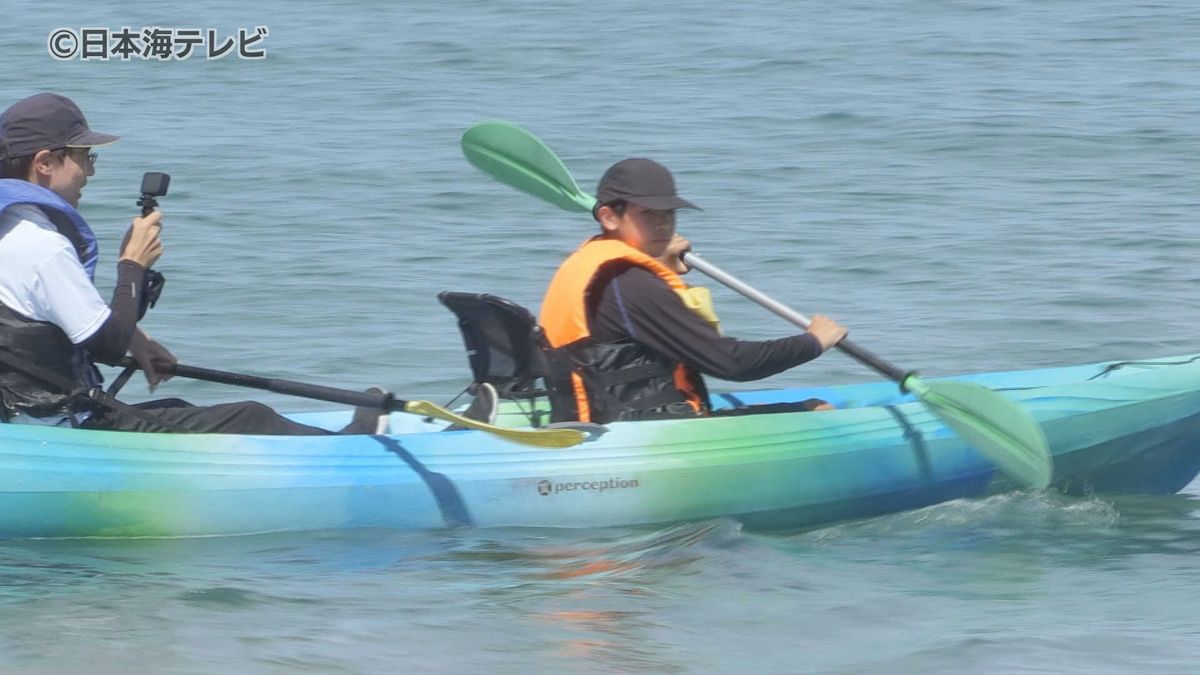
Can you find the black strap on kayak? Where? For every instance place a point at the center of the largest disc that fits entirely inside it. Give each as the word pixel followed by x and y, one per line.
pixel 94 395
pixel 1121 364
pixel 917 440
pixel 733 401
pixel 449 501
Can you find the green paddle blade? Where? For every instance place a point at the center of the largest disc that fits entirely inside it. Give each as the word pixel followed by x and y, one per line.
pixel 997 427
pixel 516 157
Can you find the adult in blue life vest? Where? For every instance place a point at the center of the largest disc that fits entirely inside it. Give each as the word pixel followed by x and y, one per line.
pixel 51 315
pixel 630 340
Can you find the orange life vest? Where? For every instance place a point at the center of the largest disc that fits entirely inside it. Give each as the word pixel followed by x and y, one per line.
pixel 565 322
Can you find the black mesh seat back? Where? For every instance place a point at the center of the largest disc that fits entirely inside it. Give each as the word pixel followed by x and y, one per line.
pixel 503 341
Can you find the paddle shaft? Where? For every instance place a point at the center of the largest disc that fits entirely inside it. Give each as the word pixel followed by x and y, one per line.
pixel 289 387
pixel 862 355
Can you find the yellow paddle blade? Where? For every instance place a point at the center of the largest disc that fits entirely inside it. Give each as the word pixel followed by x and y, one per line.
pixel 542 438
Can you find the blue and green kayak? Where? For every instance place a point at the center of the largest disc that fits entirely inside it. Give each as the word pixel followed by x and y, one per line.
pixel 1121 427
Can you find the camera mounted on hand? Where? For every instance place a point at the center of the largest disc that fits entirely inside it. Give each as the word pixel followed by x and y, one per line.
pixel 154 184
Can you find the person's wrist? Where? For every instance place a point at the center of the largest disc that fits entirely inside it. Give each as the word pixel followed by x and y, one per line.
pixel 813 336
pixel 130 271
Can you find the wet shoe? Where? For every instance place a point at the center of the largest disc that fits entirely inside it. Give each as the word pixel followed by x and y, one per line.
pixel 482 409
pixel 368 420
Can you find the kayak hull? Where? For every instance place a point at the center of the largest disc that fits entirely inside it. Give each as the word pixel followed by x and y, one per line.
pixel 1128 429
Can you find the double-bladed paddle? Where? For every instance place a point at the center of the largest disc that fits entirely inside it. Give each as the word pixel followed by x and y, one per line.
pixel 544 438
pixel 999 428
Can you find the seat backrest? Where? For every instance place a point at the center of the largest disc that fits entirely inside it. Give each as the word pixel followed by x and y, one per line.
pixel 503 340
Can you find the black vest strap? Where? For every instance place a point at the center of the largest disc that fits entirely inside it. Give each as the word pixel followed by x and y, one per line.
pixel 634 373
pixel 44 344
pixel 624 381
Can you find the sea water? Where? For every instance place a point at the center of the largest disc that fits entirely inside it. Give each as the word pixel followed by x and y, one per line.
pixel 969 186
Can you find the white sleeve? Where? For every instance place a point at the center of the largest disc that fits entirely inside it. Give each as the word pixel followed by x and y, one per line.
pixel 64 295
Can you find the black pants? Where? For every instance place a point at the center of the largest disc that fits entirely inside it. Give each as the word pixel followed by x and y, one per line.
pixel 172 414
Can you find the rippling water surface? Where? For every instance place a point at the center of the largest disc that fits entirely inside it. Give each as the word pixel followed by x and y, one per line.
pixel 968 185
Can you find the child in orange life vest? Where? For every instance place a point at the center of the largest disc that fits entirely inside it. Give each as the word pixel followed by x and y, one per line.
pixel 626 344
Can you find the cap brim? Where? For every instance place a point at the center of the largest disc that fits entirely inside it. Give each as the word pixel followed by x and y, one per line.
pixel 92 139
pixel 663 202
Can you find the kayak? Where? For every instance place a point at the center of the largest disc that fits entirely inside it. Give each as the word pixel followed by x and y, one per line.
pixel 1115 427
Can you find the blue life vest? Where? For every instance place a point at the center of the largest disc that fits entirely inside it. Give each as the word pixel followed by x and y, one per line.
pixel 66 219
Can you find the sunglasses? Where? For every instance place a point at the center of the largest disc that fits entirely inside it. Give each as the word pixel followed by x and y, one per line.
pixel 81 154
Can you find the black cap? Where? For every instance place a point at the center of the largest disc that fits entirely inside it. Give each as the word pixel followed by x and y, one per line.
pixel 643 182
pixel 47 121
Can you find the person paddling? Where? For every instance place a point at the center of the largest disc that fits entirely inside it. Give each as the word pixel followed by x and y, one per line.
pixel 52 318
pixel 628 340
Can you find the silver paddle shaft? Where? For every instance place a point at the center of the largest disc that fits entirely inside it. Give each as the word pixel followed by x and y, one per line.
pixel 903 377
pixel 693 259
